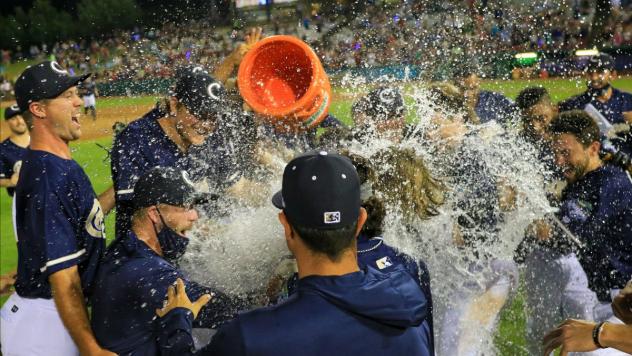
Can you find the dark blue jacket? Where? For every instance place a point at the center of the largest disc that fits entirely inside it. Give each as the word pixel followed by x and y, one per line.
pixel 598 210
pixel 494 107
pixel 375 253
pixel 131 284
pixel 361 313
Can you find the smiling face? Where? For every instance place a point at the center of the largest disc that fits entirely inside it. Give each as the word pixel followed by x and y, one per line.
pixel 599 79
pixel 540 116
pixel 61 115
pixel 191 128
pixel 571 156
pixel 17 125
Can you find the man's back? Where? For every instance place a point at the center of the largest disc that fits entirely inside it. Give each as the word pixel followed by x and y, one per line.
pixel 361 313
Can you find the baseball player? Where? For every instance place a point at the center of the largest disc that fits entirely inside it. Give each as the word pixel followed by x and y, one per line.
pixel 612 103
pixel 89 92
pixel 488 105
pixel 59 223
pixel 123 307
pixel 596 210
pixel 171 134
pixel 338 308
pixel 556 284
pixel 13 148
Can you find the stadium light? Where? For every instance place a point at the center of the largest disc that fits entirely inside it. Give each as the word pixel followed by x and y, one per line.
pixel 526 59
pixel 527 55
pixel 587 52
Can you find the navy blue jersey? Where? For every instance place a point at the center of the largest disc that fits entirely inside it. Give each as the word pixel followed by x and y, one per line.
pixel 131 284
pixel 10 158
pixel 494 107
pixel 59 223
pixel 598 210
pixel 612 109
pixel 361 313
pixel 141 146
pixel 144 145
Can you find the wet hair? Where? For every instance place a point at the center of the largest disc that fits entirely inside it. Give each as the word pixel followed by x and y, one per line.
pixel 529 97
pixel 577 123
pixel 408 183
pixel 330 242
pixel 376 213
pixel 447 96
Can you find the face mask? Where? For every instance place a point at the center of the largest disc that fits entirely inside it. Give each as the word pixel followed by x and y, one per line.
pixel 172 244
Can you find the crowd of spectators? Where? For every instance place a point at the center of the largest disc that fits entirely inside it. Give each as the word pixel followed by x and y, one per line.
pixel 411 33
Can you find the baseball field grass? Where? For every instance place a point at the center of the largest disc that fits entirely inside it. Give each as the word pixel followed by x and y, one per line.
pixel 93 157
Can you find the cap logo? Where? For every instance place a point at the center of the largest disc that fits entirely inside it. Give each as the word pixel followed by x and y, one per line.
pixel 15 107
pixel 198 69
pixel 187 180
pixel 386 96
pixel 332 217
pixel 210 89
pixel 57 68
pixel 383 262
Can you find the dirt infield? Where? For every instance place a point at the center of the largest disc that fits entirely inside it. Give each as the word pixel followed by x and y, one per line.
pixel 100 127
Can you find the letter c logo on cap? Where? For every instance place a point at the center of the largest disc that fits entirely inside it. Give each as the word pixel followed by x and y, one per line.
pixel 187 180
pixel 198 69
pixel 211 90
pixel 386 96
pixel 15 107
pixel 57 68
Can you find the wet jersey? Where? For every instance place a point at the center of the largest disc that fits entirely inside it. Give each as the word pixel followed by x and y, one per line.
pixel 10 160
pixel 494 107
pixel 131 284
pixel 59 223
pixel 598 210
pixel 144 145
pixel 612 109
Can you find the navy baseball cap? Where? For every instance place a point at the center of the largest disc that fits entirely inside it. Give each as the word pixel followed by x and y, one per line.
pixel 167 185
pixel 600 62
pixel 12 111
pixel 46 80
pixel 381 104
pixel 320 190
pixel 200 93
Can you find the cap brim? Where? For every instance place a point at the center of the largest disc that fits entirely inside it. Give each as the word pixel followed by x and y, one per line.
pixel 277 200
pixel 70 82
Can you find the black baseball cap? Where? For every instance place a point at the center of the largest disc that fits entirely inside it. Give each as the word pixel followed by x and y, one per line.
pixel 381 104
pixel 320 190
pixel 200 93
pixel 600 62
pixel 12 111
pixel 46 80
pixel 167 185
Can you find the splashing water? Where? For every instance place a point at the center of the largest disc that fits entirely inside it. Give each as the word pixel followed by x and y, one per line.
pixel 238 254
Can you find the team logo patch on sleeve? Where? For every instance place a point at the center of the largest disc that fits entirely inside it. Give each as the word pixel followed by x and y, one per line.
pixel 332 217
pixel 383 262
